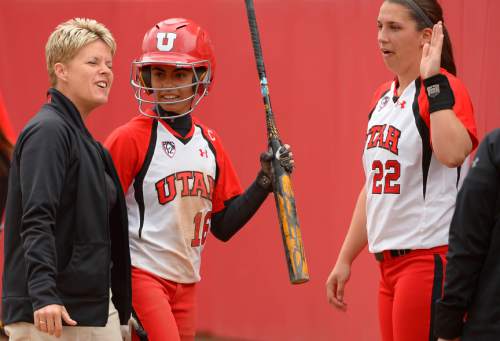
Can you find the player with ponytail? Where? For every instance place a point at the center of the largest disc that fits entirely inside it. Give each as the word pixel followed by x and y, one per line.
pixel 420 133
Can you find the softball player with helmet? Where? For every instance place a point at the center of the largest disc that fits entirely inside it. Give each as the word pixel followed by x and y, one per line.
pixel 177 177
pixel 420 132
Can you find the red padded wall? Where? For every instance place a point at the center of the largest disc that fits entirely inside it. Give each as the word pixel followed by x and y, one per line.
pixel 323 64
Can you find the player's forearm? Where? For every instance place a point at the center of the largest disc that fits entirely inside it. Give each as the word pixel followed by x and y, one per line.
pixel 450 139
pixel 356 238
pixel 238 212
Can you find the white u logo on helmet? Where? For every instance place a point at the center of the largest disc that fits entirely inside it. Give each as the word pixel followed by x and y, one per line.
pixel 160 38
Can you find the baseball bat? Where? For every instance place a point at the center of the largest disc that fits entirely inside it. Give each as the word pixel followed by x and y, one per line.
pixel 283 192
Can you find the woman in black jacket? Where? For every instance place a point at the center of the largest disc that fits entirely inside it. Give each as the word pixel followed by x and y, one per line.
pixel 66 241
pixel 470 307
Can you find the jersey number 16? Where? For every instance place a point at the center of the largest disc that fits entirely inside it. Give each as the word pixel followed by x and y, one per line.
pixel 202 224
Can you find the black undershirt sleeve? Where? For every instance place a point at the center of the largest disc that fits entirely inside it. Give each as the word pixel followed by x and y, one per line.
pixel 237 212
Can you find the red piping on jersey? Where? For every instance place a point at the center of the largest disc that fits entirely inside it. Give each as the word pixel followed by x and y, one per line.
pixel 463 107
pixel 381 91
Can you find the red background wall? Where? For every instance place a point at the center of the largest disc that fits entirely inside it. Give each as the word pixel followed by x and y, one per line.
pixel 323 64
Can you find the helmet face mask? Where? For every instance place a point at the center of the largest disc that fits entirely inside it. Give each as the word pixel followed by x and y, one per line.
pixel 179 43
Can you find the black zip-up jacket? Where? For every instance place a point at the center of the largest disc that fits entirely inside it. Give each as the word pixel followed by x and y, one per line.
pixel 60 238
pixel 472 284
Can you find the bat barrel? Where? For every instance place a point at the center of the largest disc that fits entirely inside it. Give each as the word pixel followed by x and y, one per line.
pixel 298 270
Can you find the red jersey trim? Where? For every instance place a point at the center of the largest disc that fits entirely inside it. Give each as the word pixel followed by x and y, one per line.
pixel 128 146
pixel 227 183
pixel 463 108
pixel 379 93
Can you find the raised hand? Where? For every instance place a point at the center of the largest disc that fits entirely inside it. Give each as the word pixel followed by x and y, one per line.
pixel 431 54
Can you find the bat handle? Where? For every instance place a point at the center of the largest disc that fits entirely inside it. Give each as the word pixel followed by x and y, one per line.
pixel 275 145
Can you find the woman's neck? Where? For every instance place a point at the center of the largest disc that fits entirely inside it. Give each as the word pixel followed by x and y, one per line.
pixel 82 110
pixel 406 78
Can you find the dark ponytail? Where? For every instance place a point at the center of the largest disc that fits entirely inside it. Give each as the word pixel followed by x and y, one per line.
pixel 432 9
pixel 447 59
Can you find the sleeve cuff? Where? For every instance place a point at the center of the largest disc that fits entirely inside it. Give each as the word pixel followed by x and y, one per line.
pixel 448 322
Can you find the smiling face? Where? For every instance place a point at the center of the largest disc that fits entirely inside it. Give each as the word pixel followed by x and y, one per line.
pixel 87 78
pixel 175 85
pixel 399 40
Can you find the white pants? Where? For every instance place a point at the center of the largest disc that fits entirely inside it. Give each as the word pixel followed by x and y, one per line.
pixel 23 331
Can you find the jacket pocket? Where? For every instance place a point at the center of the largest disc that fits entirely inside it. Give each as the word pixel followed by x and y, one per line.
pixel 88 271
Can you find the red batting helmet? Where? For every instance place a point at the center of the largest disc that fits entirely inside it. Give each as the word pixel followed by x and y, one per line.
pixel 183 44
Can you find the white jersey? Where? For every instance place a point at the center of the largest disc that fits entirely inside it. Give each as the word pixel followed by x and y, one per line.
pixel 172 184
pixel 410 194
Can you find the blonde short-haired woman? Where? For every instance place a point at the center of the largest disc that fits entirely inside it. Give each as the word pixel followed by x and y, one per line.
pixel 66 242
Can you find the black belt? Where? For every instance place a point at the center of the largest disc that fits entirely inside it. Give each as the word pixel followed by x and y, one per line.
pixel 393 253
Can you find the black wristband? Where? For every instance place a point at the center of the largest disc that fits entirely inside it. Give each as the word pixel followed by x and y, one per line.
pixel 439 93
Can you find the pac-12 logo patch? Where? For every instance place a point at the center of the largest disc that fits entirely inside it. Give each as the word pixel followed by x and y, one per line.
pixel 168 148
pixel 383 103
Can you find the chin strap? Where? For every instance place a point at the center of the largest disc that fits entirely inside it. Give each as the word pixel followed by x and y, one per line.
pixel 159 113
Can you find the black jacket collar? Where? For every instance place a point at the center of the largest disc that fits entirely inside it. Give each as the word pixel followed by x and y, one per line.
pixel 68 110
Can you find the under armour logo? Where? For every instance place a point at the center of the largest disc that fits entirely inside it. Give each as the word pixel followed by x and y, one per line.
pixel 203 153
pixel 402 104
pixel 160 38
